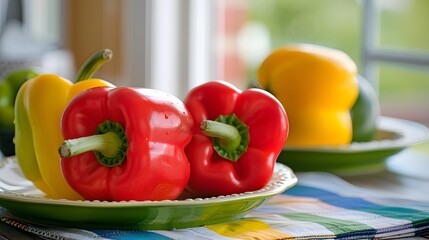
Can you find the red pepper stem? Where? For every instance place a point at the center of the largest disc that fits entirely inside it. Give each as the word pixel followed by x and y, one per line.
pixel 93 63
pixel 228 136
pixel 108 144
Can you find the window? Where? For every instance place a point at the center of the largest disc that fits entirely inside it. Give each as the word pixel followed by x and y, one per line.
pixel 388 39
pixel 395 56
pixel 32 34
pixel 169 44
pixel 173 46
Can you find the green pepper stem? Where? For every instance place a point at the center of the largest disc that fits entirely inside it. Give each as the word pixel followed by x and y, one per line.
pixel 228 136
pixel 93 63
pixel 108 144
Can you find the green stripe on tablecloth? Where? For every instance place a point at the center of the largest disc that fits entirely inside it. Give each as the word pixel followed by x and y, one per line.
pixel 336 226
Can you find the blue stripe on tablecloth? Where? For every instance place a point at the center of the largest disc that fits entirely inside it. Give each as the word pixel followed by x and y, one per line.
pixel 359 204
pixel 130 235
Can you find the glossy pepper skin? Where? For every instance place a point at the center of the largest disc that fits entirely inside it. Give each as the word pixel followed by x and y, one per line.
pixel 38 109
pixel 317 86
pixel 151 165
pixel 265 118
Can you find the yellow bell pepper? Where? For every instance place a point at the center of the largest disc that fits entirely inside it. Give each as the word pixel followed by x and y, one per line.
pixel 317 86
pixel 39 106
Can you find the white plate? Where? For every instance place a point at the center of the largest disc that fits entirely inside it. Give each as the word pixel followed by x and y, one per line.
pixel 24 201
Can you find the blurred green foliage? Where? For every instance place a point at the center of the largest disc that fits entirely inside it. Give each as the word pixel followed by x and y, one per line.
pixel 332 23
pixel 404 23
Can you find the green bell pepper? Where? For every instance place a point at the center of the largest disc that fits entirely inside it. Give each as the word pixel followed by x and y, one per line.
pixel 6 105
pixel 15 78
pixel 9 87
pixel 365 112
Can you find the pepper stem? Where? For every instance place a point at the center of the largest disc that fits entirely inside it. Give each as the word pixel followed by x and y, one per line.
pixel 93 63
pixel 109 144
pixel 106 143
pixel 230 136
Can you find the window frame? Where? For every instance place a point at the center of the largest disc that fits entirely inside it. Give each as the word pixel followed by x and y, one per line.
pixel 178 36
pixel 372 54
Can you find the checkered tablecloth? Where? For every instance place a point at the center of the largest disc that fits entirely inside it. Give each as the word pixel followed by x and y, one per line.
pixel 320 206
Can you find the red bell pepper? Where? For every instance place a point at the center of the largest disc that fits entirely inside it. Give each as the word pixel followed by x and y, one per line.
pixel 241 134
pixel 137 152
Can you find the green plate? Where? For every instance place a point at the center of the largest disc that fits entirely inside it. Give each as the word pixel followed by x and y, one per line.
pixel 24 201
pixel 393 135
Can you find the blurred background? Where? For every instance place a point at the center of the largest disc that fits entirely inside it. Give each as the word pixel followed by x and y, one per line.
pixel 175 45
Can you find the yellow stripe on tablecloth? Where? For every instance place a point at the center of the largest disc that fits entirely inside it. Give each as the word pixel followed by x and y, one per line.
pixel 248 229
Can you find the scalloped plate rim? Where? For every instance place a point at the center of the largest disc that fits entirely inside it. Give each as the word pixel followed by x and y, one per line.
pixel 283 176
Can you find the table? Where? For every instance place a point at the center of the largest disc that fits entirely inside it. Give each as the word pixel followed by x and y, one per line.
pixel 406 175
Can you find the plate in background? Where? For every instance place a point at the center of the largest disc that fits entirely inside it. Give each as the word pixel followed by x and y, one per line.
pixel 393 135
